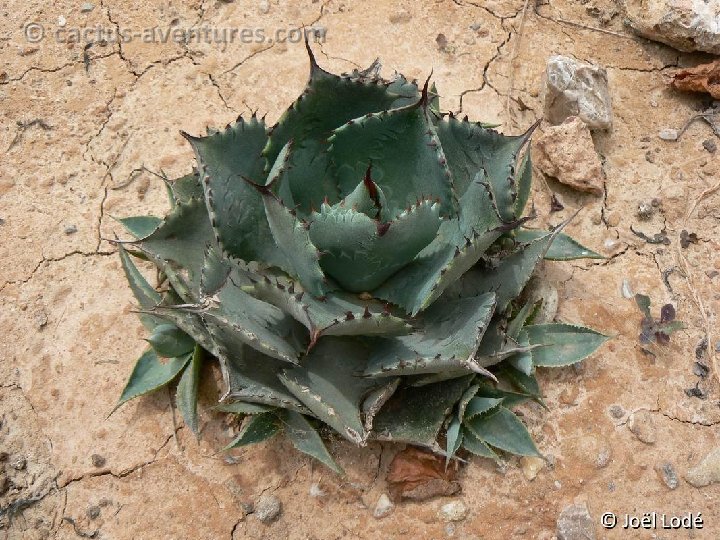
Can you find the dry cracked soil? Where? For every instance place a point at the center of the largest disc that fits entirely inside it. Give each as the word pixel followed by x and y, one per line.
pixel 83 120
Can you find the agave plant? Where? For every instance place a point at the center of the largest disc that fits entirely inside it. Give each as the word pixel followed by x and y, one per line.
pixel 358 266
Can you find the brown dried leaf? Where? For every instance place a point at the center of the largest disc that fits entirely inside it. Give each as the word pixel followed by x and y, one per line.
pixel 702 78
pixel 418 474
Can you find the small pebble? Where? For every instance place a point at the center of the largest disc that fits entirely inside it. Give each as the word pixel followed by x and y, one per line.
pixel 710 145
pixel 93 512
pixel 18 463
pixel 610 244
pixel 383 507
pixel 97 460
pixel 531 466
pixel 668 475
pixel 616 411
pixel 316 491
pixel 626 289
pixel 645 211
pixel 557 485
pixel 642 425
pixel 668 134
pixel 453 511
pixel 575 523
pixel 264 7
pixel 268 508
pixel 603 458
pixel 61 21
pixel 72 229
pixel 86 7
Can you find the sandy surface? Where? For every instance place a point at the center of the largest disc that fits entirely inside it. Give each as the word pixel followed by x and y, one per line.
pixel 79 123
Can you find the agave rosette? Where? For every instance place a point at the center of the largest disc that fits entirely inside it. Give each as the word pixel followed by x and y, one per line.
pixel 358 265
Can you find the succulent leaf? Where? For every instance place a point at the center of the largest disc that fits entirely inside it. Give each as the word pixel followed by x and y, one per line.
pixel 454 438
pixel 236 210
pixel 240 407
pixel 511 275
pixel 169 341
pixel 181 239
pixel 328 383
pixel 187 391
pixel 185 188
pixel 450 336
pixel 402 147
pixel 472 444
pixel 150 373
pixel 190 323
pixel 360 253
pixel 471 148
pixel 145 295
pixel 502 429
pixel 376 399
pixel 304 437
pixel 480 405
pixel 524 184
pixel 293 239
pixel 563 247
pixel 337 315
pixel 252 377
pixel 258 428
pixel 560 344
pixel 235 318
pixel 415 414
pixel 329 101
pixel 140 226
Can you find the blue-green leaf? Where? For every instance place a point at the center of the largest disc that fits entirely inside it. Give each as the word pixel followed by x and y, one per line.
pixel 563 248
pixel 454 439
pixel 258 428
pixel 187 391
pixel 140 226
pixel 562 344
pixel 169 341
pixel 150 374
pixel 502 429
pixel 304 437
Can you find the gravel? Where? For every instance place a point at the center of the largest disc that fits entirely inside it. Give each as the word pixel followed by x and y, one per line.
pixel 268 508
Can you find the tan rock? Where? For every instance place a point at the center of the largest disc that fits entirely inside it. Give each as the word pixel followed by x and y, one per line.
pixel 531 466
pixel 566 152
pixel 642 425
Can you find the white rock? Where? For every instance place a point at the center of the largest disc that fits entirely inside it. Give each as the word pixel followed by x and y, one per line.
pixel 62 21
pixel 668 134
pixel 453 511
pixel 707 471
pixel 574 88
pixel 383 507
pixel 687 25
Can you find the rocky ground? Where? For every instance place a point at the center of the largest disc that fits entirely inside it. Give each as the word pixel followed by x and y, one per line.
pixel 627 432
